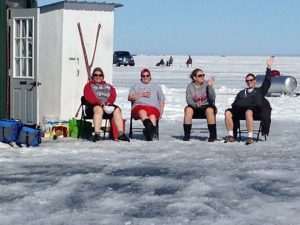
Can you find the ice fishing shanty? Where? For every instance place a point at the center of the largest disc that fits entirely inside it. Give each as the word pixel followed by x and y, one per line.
pixel 48 67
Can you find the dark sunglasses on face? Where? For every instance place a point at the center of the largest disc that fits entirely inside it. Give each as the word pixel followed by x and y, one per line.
pixel 97 75
pixel 250 80
pixel 146 75
pixel 200 75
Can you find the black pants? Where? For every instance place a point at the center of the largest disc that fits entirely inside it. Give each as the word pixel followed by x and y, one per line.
pixel 199 113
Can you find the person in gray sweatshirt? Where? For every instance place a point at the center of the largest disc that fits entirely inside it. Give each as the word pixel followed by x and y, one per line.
pixel 200 99
pixel 148 101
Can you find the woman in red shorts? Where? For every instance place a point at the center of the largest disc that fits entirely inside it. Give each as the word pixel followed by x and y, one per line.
pixel 148 103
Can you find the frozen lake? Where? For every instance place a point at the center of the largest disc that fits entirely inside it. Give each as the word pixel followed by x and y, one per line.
pixel 70 181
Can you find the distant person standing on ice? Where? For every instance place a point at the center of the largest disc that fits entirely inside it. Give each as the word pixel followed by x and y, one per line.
pixel 249 103
pixel 148 103
pixel 170 61
pixel 200 97
pixel 189 61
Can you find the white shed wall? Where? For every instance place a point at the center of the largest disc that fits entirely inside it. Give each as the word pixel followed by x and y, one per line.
pixel 62 66
pixel 49 63
pixel 74 75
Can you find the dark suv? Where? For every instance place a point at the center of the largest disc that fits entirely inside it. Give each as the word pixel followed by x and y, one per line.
pixel 123 58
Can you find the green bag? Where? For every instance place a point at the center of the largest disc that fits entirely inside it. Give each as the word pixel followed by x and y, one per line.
pixel 86 128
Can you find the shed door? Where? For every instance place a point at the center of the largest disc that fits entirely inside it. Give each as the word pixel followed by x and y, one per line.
pixel 23 65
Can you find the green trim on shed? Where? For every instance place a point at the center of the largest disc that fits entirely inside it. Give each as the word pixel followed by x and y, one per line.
pixel 3 68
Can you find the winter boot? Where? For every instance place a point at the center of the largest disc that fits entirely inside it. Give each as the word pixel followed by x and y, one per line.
pixel 187 131
pixel 154 129
pixel 96 137
pixel 123 137
pixel 149 129
pixel 212 128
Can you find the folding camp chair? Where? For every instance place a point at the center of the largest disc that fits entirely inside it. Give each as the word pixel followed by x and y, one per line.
pixel 84 118
pixel 198 128
pixel 238 131
pixel 201 117
pixel 140 129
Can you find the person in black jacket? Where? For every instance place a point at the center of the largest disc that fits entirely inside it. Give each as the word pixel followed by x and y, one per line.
pixel 248 104
pixel 189 61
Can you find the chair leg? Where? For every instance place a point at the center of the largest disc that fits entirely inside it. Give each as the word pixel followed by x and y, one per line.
pixel 237 133
pixel 80 124
pixel 130 128
pixel 157 130
pixel 105 128
pixel 259 131
pixel 79 128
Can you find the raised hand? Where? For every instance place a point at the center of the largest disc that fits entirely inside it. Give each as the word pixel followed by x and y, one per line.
pixel 270 61
pixel 210 81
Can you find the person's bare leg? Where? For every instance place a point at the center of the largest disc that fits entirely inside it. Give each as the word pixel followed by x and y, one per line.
pixel 249 122
pixel 250 125
pixel 97 118
pixel 142 114
pixel 153 119
pixel 210 116
pixel 118 119
pixel 188 115
pixel 229 121
pixel 229 126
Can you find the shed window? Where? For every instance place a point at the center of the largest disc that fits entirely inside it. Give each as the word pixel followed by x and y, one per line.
pixel 23 48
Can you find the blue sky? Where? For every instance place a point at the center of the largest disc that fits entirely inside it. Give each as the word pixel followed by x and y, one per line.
pixel 207 27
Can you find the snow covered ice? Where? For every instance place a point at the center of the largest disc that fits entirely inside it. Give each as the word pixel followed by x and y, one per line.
pixel 70 181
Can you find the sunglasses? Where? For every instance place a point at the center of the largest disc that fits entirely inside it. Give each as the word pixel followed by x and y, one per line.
pixel 250 80
pixel 148 75
pixel 97 75
pixel 200 75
